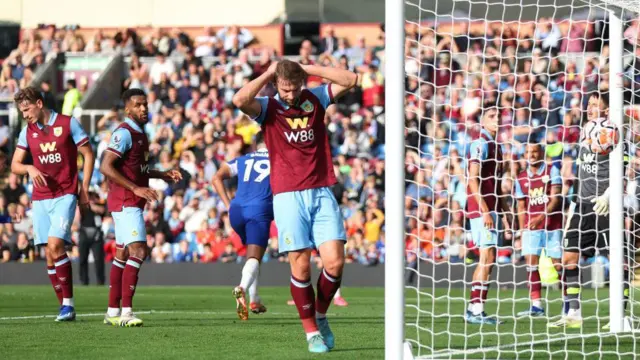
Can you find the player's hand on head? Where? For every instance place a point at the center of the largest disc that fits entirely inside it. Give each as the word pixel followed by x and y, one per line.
pixel 39 179
pixel 272 67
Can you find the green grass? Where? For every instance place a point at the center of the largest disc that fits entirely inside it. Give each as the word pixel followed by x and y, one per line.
pixel 188 323
pixel 200 322
pixel 522 338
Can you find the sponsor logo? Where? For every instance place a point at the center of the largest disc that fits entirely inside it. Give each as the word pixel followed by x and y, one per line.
pixel 139 142
pixel 545 179
pixel 57 131
pixel 48 147
pixel 146 156
pixel 301 135
pixel 116 139
pixel 537 196
pixel 306 306
pixel 287 239
pixel 296 123
pixel 48 157
pixel 34 135
pixel 134 233
pixel 307 106
pixel 280 111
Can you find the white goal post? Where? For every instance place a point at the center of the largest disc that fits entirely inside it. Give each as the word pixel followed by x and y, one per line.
pixel 423 319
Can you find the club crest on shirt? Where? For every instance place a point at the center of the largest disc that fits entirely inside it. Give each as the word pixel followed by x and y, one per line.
pixel 307 106
pixel 545 179
pixel 57 131
pixel 139 142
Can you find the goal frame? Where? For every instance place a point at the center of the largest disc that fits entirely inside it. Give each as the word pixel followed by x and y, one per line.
pixel 394 179
pixel 395 347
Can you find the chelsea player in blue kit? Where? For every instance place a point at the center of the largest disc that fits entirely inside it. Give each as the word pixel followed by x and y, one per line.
pixel 251 214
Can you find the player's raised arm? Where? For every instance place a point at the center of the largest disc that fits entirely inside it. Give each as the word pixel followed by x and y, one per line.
pixel 225 172
pixel 245 98
pixel 341 80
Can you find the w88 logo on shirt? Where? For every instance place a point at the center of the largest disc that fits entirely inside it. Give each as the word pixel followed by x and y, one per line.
pixel 49 156
pixel 300 130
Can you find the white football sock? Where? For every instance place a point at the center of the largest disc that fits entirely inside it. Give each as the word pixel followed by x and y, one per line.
pixel 249 273
pixel 253 292
pixel 477 308
pixel 113 312
pixel 127 310
pixel 573 313
pixel 537 303
pixel 337 295
pixel 312 334
pixel 67 302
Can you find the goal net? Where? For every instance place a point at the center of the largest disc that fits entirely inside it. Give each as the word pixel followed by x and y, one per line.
pixel 536 64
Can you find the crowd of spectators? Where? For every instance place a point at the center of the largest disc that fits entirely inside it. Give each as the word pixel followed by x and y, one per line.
pixel 194 126
pixel 541 87
pixel 539 83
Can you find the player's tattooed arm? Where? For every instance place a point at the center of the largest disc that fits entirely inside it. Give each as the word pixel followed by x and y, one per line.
pixel 218 183
pixel 341 80
pixel 108 169
pixel 245 98
pixel 19 168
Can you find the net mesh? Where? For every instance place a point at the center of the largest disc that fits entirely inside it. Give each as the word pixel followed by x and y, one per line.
pixel 538 62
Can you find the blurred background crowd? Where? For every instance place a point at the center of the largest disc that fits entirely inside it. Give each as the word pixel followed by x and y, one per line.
pixel 539 74
pixel 194 126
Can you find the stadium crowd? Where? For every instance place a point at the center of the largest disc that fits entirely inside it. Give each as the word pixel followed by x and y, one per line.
pixel 540 84
pixel 194 126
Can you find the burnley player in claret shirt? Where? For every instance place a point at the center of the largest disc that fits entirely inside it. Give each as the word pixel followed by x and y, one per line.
pixel 538 191
pixel 54 141
pixel 485 171
pixel 125 165
pixel 306 212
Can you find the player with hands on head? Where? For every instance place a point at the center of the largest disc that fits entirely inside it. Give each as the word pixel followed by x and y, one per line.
pixel 125 165
pixel 54 141
pixel 305 210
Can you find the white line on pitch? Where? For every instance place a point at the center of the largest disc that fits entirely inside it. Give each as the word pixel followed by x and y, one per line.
pixel 506 346
pixel 177 312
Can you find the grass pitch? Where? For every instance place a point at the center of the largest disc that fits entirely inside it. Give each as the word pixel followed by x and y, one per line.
pixel 181 323
pixel 201 323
